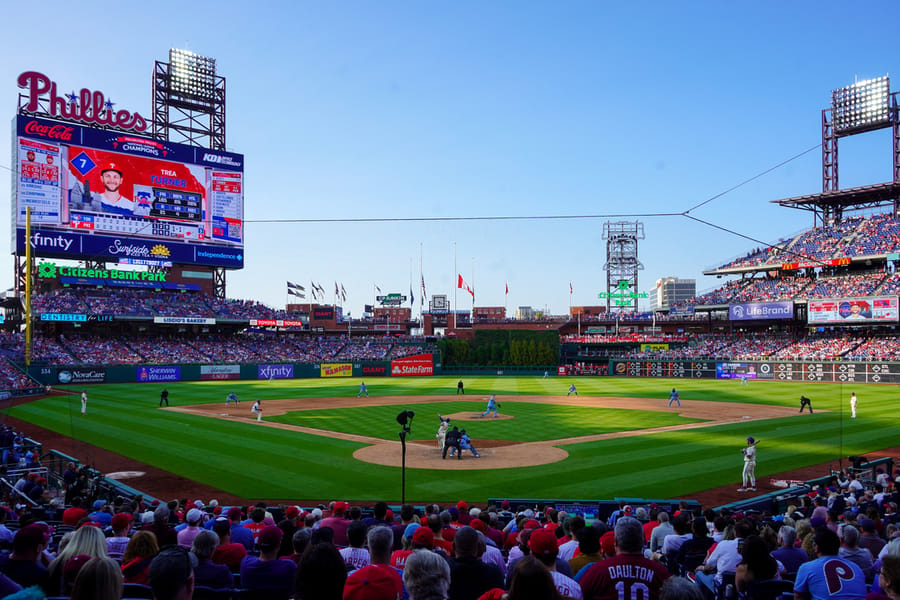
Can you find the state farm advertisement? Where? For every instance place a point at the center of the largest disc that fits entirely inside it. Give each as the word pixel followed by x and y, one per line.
pixel 420 364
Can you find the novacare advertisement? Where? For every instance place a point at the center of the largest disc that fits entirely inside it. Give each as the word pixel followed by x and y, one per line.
pixel 420 364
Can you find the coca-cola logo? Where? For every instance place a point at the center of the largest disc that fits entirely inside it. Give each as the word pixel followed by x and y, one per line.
pixel 86 107
pixel 54 132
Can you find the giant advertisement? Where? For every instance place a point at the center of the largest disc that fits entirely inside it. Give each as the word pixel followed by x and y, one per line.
pixel 115 196
pixel 854 311
pixel 752 311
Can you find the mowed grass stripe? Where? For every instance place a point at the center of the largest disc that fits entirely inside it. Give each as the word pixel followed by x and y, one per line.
pixel 259 462
pixel 532 422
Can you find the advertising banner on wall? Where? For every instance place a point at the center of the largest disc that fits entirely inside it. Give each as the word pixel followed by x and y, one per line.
pixel 208 372
pixel 154 374
pixel 754 311
pixel 854 311
pixel 420 364
pixel 275 371
pixel 83 375
pixel 337 370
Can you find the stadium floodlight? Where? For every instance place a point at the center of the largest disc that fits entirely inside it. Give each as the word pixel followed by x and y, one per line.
pixel 191 75
pixel 863 106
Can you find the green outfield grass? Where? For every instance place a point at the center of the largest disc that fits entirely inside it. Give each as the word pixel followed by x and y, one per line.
pixel 265 463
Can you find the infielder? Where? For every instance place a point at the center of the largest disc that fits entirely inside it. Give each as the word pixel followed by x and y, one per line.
pixel 572 390
pixel 491 407
pixel 673 397
pixel 749 475
pixel 362 390
pixel 232 397
pixel 84 402
pixel 257 409
pixel 852 405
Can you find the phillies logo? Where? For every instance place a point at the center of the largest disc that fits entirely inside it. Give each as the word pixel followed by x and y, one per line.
pixel 54 132
pixel 87 107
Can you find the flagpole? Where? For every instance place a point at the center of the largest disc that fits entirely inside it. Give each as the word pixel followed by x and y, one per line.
pixel 472 315
pixel 455 285
pixel 421 292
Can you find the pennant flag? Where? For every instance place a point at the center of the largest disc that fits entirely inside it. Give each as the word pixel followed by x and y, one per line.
pixel 460 283
pixel 507 288
pixel 424 295
pixel 378 288
pixel 337 292
pixel 343 293
pixel 471 291
pixel 294 286
pixel 570 287
pixel 296 293
pixel 412 299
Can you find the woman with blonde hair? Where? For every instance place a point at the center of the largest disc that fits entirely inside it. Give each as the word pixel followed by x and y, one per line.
pixel 99 579
pixel 87 540
pixel 139 553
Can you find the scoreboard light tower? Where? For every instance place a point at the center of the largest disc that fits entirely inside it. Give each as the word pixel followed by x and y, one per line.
pixel 864 106
pixel 622 264
pixel 189 100
pixel 189 108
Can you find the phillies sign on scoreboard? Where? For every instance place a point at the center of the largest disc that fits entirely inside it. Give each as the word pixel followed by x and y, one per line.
pixel 854 311
pixel 410 366
pixel 114 195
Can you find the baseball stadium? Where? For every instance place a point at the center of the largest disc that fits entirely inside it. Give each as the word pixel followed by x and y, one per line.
pixel 142 381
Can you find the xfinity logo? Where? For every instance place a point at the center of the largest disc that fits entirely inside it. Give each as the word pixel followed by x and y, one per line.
pixel 220 160
pixel 56 242
pixel 275 371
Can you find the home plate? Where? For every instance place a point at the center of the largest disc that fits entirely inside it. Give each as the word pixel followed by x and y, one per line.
pixel 125 474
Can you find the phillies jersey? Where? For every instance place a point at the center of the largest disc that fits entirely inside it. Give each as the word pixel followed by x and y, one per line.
pixel 625 577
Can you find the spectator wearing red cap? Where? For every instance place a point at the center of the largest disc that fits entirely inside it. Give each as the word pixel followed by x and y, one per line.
pixel 116 543
pixel 628 572
pixel 338 522
pixel 227 552
pixel 371 583
pixel 288 526
pixel 464 517
pixel 469 576
pixel 239 534
pixel 545 549
pixel 266 573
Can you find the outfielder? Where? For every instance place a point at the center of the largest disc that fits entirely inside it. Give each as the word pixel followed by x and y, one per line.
pixel 362 390
pixel 491 407
pixel 852 405
pixel 749 475
pixel 84 402
pixel 257 409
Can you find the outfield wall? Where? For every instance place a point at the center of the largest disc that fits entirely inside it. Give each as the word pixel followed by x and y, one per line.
pixel 419 365
pixel 828 371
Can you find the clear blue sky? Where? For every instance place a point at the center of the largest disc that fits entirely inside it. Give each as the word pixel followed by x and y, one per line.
pixel 428 109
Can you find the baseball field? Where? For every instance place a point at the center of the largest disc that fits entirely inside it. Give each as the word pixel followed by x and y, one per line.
pixel 318 441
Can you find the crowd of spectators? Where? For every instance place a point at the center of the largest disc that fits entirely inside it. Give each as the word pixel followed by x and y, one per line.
pixel 853 236
pixel 468 551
